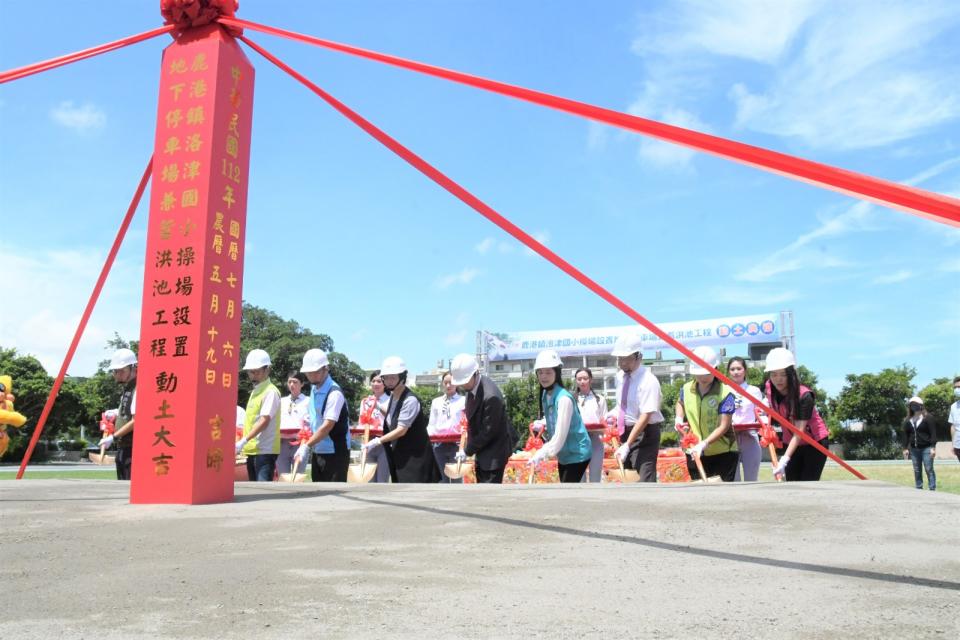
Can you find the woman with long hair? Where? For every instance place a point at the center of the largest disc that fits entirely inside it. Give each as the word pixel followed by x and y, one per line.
pixel 568 440
pixel 593 410
pixel 746 422
pixel 791 399
pixel 371 416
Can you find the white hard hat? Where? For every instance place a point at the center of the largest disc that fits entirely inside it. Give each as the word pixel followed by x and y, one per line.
pixel 462 368
pixel 916 399
pixel 627 344
pixel 707 354
pixel 393 365
pixel 547 359
pixel 256 359
pixel 780 358
pixel 122 358
pixel 314 360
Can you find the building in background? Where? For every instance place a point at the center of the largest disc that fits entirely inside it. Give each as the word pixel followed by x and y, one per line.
pixel 506 355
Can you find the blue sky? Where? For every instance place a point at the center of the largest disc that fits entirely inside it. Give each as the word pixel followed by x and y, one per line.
pixel 350 241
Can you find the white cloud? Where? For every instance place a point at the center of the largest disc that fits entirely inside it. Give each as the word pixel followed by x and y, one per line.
pixel 892 278
pixel 750 296
pixel 485 245
pixel 907 350
pixel 799 254
pixel 455 338
pixel 465 276
pixel 81 119
pixel 655 102
pixel 838 92
pixel 51 289
pixel 951 266
pixel 543 237
pixel 757 30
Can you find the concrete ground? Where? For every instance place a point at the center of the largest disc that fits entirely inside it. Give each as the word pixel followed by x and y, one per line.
pixel 817 560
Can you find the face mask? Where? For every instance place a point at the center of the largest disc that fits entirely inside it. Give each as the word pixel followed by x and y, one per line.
pixel 914 407
pixel 956 391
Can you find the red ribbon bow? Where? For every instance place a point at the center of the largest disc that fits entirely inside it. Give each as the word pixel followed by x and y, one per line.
pixel 302 436
pixel 688 439
pixel 107 424
pixel 535 441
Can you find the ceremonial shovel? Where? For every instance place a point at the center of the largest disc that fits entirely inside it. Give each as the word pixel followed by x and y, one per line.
pixel 703 474
pixel 362 473
pixel 625 475
pixel 458 469
pixel 293 476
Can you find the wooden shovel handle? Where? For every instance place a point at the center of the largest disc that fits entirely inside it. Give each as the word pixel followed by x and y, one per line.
pixel 703 475
pixel 103 452
pixel 774 459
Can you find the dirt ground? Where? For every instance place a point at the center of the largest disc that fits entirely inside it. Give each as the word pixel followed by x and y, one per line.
pixel 817 560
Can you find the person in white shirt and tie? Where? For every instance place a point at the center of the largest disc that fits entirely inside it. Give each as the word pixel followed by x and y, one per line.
pixel 637 411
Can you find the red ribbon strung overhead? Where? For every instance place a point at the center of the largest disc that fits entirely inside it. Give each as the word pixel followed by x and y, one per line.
pixel 933 206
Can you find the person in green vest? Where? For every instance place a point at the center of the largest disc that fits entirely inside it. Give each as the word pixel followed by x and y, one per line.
pixel 707 405
pixel 261 427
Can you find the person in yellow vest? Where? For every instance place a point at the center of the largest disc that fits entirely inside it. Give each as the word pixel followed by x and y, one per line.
pixel 707 405
pixel 261 428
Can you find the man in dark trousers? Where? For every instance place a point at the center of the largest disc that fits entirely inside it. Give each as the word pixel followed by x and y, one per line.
pixel 489 435
pixel 123 365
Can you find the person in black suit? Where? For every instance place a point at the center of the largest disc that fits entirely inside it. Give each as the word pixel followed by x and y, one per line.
pixel 489 434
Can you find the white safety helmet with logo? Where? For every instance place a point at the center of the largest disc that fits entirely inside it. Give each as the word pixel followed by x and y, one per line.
pixel 122 358
pixel 779 359
pixel 462 368
pixel 393 365
pixel 314 360
pixel 627 344
pixel 706 354
pixel 547 359
pixel 256 359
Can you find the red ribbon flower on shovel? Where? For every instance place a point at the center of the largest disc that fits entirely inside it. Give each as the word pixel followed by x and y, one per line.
pixel 108 423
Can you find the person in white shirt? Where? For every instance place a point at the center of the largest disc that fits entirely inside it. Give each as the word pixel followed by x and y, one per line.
pixel 954 418
pixel 567 438
pixel 746 422
pixel 593 410
pixel 371 418
pixel 443 427
pixel 637 412
pixel 294 414
pixel 261 437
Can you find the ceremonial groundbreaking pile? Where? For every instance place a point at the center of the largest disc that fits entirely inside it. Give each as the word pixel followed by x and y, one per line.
pixel 811 560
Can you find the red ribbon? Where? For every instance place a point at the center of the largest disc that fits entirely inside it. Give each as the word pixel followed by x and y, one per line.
pixel 107 424
pixel 688 439
pixel 303 436
pixel 535 441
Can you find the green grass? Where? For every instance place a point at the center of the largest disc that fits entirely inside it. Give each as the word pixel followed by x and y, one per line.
pixel 31 474
pixel 948 474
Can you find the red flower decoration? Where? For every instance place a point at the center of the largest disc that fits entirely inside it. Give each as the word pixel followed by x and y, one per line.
pixel 190 14
pixel 303 436
pixel 107 424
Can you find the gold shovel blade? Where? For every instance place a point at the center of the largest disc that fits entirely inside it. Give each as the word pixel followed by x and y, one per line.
pixel 456 470
pixel 361 473
pixel 623 475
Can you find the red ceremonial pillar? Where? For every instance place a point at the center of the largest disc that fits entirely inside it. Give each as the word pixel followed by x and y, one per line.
pixel 190 324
